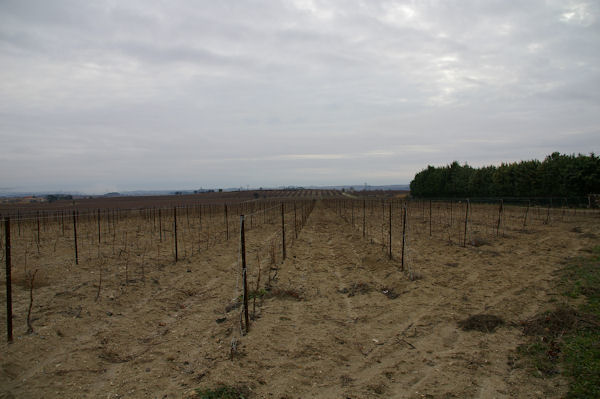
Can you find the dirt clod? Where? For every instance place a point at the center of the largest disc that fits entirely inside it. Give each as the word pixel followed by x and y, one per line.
pixel 389 292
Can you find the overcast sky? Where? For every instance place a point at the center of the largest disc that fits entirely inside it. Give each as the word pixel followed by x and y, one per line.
pixel 101 96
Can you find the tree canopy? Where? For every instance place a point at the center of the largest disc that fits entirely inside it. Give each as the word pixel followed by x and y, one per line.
pixel 558 175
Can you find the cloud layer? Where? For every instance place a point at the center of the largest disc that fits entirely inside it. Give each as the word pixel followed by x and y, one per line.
pixel 113 95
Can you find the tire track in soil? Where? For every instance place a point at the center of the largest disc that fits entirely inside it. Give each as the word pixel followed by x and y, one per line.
pixel 322 346
pixel 329 344
pixel 367 346
pixel 144 341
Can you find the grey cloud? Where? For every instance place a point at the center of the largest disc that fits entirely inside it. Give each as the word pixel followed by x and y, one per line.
pixel 146 94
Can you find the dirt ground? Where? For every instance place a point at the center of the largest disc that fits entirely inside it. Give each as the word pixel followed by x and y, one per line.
pixel 342 320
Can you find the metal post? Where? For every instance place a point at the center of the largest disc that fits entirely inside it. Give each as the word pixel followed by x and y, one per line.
pixel 244 273
pixel 283 231
pixel 160 224
pixel 9 315
pixel 98 226
pixel 295 227
pixel 175 230
pixel 37 218
pixel 226 223
pixel 403 235
pixel 390 230
pixel 75 236
pixel 429 218
pixel 364 217
pixel 466 223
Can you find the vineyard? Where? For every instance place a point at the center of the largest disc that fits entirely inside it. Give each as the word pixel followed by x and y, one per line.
pixel 288 293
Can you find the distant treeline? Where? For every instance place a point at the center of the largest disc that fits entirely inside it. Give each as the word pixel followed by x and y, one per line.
pixel 557 176
pixel 57 197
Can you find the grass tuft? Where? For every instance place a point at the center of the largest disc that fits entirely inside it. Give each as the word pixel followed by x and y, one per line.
pixel 582 349
pixel 568 340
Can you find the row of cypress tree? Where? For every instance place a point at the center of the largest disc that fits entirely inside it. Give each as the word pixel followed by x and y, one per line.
pixel 558 175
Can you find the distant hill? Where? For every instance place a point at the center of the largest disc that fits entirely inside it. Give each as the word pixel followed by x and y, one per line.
pixel 134 193
pixel 361 187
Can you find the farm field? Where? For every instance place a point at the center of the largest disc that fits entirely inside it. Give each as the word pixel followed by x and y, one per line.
pixel 10 206
pixel 336 318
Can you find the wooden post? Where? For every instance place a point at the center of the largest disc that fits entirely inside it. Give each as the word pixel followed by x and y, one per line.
pixel 403 235
pixel 175 231
pixel 526 212
pixel 390 230
pixel 466 223
pixel 9 315
pixel 244 274
pixel 499 218
pixel 282 231
pixel 75 236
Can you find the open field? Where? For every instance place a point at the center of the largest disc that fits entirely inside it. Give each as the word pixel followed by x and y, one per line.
pixel 12 206
pixel 337 318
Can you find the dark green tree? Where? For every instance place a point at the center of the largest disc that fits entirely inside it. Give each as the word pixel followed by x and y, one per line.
pixel 558 175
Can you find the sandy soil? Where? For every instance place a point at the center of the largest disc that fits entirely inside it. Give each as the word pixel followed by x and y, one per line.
pixel 336 329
